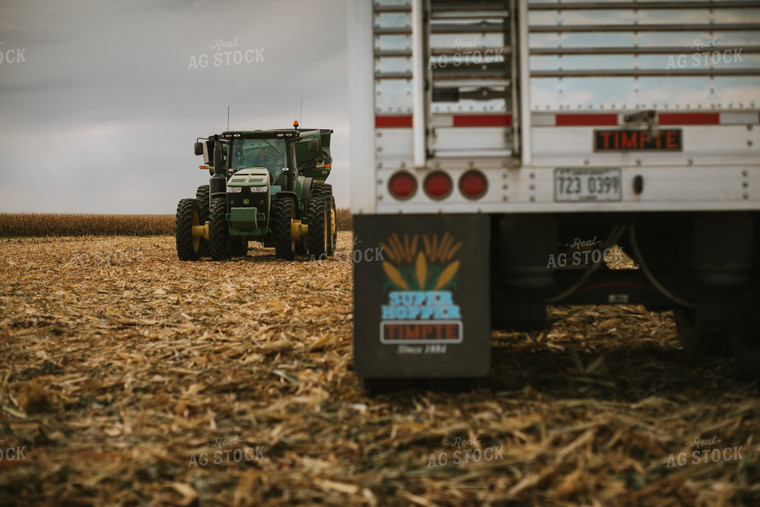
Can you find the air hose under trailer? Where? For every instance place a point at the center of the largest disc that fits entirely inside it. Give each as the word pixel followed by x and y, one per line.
pixel 616 234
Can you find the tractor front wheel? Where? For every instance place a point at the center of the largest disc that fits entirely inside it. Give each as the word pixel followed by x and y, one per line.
pixel 283 214
pixel 202 196
pixel 327 195
pixel 188 246
pixel 218 232
pixel 318 236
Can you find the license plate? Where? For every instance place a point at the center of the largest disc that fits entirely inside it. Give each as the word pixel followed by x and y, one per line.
pixel 581 184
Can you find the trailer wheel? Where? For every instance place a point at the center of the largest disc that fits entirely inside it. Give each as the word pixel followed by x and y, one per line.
pixel 745 346
pixel 318 237
pixel 188 215
pixel 701 336
pixel 327 194
pixel 202 196
pixel 745 341
pixel 219 233
pixel 283 214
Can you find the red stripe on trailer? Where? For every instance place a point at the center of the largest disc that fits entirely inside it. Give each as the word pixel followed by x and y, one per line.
pixel 585 120
pixel 386 122
pixel 688 118
pixel 482 120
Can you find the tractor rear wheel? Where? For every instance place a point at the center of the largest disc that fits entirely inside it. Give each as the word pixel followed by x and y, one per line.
pixel 283 214
pixel 327 194
pixel 202 196
pixel 318 236
pixel 218 232
pixel 188 215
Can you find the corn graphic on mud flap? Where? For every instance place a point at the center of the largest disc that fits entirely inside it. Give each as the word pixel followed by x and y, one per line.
pixel 421 302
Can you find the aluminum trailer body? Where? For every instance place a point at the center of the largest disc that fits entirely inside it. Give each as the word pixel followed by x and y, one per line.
pixel 501 149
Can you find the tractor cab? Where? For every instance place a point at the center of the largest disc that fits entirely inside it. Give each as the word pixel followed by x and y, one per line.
pixel 248 153
pixel 272 153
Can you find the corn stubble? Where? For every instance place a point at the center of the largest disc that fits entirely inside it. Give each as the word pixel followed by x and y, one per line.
pixel 118 377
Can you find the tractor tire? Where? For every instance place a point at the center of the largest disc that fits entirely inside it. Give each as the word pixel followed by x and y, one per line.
pixel 327 194
pixel 218 231
pixel 283 213
pixel 188 215
pixel 318 236
pixel 202 196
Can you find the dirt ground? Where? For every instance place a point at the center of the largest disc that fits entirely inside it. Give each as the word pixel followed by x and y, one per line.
pixel 131 378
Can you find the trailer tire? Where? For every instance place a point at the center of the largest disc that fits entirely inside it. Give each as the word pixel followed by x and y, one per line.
pixel 202 195
pixel 699 337
pixel 188 215
pixel 745 340
pixel 218 231
pixel 283 213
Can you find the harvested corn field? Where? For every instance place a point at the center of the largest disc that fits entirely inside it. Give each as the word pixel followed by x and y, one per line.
pixel 131 378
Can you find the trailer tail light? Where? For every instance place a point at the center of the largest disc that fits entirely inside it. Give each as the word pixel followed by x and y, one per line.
pixel 402 185
pixel 438 185
pixel 473 184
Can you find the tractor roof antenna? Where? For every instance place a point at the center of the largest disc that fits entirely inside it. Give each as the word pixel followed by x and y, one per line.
pixel 300 116
pixel 228 117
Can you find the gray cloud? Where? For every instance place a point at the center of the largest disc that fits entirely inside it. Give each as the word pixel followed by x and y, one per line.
pixel 101 115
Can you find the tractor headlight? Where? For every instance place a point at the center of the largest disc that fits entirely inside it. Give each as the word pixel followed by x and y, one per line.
pixel 234 190
pixel 259 189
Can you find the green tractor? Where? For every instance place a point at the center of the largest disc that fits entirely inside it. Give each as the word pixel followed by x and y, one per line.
pixel 265 185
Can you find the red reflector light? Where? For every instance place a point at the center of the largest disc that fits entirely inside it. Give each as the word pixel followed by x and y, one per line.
pixel 473 184
pixel 438 185
pixel 402 185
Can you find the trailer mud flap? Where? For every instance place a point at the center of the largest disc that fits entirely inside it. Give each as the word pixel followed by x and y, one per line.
pixel 421 299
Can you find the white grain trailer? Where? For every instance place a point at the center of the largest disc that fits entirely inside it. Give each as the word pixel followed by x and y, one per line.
pixel 500 148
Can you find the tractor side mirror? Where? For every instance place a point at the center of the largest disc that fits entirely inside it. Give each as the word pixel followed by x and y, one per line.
pixel 208 152
pixel 313 146
pixel 198 148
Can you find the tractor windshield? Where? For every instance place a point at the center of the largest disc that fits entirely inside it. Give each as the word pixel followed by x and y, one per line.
pixel 268 153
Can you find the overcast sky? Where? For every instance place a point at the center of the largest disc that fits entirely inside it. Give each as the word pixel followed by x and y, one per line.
pixel 103 100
